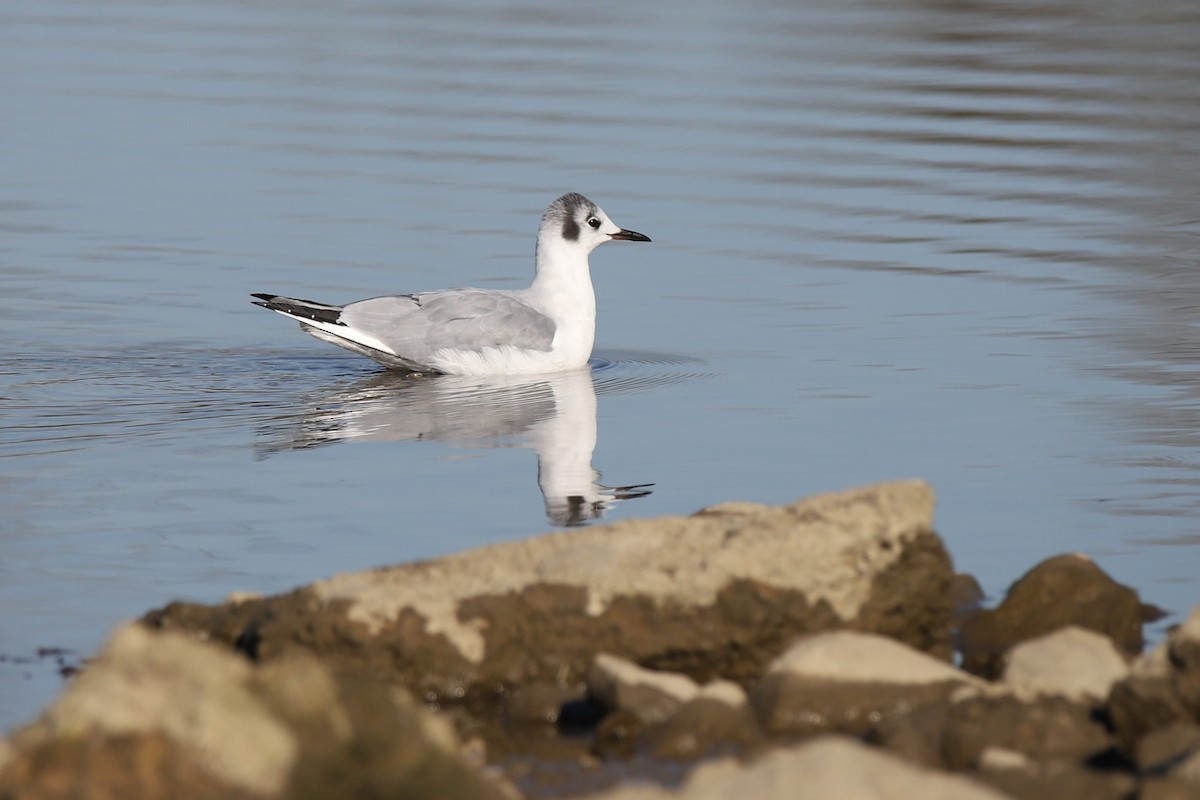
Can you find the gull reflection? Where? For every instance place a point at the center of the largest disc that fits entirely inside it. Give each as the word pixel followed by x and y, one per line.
pixel 555 415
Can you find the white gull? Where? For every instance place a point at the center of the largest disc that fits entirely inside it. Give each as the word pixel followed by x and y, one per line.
pixel 549 327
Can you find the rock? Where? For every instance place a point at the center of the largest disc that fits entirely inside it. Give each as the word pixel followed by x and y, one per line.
pixel 1050 729
pixel 826 767
pixel 718 718
pixel 1145 700
pixel 619 735
pixel 159 715
pixel 999 759
pixel 958 733
pixel 1166 789
pixel 1059 781
pixel 1183 652
pixel 847 682
pixel 717 594
pixel 1162 689
pixel 1064 590
pixel 1070 662
pixel 159 694
pixel 1173 750
pixel 617 684
pixel 1188 770
pixel 966 596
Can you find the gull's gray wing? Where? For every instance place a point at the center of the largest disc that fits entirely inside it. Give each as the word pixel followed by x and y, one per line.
pixel 418 325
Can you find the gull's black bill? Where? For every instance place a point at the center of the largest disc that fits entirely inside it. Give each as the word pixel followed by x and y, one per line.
pixel 630 236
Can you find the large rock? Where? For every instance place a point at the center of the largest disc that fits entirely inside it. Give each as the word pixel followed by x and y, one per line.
pixel 1060 591
pixel 717 594
pixel 159 715
pixel 826 767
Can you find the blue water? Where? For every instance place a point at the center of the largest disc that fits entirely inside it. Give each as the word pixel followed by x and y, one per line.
pixel 958 242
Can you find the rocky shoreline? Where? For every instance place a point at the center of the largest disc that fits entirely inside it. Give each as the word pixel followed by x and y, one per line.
pixel 806 650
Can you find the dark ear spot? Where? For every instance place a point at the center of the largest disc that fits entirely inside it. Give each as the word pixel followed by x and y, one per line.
pixel 570 228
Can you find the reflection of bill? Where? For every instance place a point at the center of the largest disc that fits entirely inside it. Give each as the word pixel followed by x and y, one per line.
pixel 555 415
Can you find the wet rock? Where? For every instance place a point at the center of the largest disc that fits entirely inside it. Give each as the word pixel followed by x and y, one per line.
pixel 1064 590
pixel 619 735
pixel 718 594
pixel 847 682
pixel 618 684
pixel 159 715
pixel 826 767
pixel 1070 662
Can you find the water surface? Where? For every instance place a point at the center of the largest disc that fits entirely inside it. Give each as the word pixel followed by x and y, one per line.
pixel 954 241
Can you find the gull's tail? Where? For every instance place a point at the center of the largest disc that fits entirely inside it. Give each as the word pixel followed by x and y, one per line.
pixel 299 309
pixel 324 322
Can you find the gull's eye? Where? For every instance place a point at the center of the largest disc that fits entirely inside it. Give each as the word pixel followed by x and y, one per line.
pixel 593 222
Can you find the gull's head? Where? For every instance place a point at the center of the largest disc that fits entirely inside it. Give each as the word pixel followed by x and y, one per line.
pixel 574 222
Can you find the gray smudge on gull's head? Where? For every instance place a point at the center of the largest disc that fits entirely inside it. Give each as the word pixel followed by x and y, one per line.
pixel 829 548
pixel 564 212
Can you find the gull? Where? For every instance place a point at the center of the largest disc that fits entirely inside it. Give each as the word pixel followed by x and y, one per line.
pixel 549 327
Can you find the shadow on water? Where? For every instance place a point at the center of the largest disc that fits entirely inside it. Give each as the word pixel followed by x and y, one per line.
pixel 554 415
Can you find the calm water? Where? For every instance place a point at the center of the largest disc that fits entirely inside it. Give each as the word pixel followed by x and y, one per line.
pixel 951 240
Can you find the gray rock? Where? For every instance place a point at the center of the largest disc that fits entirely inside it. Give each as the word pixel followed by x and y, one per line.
pixel 1070 662
pixel 848 682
